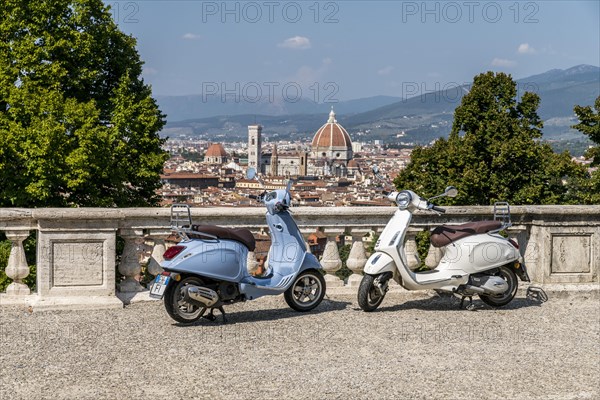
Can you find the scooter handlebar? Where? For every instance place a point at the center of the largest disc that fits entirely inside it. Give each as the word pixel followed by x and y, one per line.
pixel 258 197
pixel 438 209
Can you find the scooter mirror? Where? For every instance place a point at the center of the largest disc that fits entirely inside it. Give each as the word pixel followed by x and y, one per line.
pixel 375 169
pixel 250 173
pixel 451 191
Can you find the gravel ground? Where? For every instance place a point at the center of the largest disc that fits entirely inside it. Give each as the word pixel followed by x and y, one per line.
pixel 409 349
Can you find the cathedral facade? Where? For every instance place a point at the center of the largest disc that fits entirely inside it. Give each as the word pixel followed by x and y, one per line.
pixel 330 154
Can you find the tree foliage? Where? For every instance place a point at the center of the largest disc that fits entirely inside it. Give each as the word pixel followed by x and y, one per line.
pixel 78 125
pixel 589 124
pixel 493 152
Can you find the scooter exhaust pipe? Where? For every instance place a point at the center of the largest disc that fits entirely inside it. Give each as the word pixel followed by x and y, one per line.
pixel 489 285
pixel 199 294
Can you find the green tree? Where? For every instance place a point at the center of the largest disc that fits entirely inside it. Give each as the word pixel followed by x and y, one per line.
pixel 589 124
pixel 78 125
pixel 493 152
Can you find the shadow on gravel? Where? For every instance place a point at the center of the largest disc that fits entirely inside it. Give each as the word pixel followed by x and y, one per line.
pixel 452 303
pixel 272 314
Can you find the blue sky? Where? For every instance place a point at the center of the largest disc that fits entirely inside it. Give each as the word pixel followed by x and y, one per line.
pixel 353 49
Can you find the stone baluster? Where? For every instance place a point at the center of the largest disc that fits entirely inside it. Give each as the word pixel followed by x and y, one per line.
pixel 17 268
pixel 159 248
pixel 410 249
pixel 434 256
pixel 331 260
pixel 357 257
pixel 130 265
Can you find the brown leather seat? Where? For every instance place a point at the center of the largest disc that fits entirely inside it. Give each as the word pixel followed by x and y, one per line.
pixel 445 234
pixel 242 235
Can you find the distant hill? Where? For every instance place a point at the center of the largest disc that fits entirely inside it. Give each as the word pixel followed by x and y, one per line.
pixel 180 108
pixel 418 119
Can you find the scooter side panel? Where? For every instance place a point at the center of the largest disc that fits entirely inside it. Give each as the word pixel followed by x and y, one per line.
pixel 478 253
pixel 218 259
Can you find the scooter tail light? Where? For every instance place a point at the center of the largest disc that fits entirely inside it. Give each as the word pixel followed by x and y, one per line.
pixel 515 244
pixel 172 252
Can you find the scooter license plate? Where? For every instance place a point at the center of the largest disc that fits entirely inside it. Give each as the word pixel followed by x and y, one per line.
pixel 157 290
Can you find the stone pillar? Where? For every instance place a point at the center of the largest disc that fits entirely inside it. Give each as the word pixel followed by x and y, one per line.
pixel 357 258
pixel 410 249
pixel 130 265
pixel 331 261
pixel 534 253
pixel 17 268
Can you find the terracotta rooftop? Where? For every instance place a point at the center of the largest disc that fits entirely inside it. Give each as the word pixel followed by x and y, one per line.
pixel 332 134
pixel 216 150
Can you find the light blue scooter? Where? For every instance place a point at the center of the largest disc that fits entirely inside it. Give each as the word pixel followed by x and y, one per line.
pixel 207 269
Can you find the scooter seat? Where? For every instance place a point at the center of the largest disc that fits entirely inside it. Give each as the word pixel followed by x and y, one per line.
pixel 443 235
pixel 242 235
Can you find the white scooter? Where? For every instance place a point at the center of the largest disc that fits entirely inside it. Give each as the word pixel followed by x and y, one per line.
pixel 476 260
pixel 207 269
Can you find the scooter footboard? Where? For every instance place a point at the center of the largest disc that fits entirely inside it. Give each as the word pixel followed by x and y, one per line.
pixel 378 263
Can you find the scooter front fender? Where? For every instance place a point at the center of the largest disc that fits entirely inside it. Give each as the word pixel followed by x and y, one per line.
pixel 380 262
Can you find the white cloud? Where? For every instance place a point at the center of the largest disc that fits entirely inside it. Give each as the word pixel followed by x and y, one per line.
pixel 525 48
pixel 502 62
pixel 191 36
pixel 385 70
pixel 296 42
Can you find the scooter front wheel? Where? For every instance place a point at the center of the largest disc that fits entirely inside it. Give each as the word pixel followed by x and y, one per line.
pixel 177 308
pixel 306 292
pixel 369 296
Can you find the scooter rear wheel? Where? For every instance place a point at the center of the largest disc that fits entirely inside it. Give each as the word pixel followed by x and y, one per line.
pixel 369 297
pixel 500 300
pixel 306 292
pixel 178 309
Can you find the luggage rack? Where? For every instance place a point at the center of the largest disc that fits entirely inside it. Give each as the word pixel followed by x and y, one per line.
pixel 502 213
pixel 181 216
pixel 181 222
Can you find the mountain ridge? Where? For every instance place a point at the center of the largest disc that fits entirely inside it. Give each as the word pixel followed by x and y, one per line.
pixel 417 119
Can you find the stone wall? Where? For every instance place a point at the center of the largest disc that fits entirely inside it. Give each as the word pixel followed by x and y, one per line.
pixel 76 253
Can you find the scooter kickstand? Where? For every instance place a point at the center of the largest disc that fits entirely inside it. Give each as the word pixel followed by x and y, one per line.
pixel 212 317
pixel 223 314
pixel 470 306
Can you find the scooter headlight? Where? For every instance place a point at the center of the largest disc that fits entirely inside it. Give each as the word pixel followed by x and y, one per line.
pixel 403 199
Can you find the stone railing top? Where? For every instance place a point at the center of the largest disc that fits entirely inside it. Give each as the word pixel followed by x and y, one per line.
pixel 306 217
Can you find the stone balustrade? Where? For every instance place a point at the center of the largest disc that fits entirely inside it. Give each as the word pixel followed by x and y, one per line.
pixel 77 257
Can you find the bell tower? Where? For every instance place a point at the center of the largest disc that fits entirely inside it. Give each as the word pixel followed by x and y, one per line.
pixel 274 161
pixel 254 147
